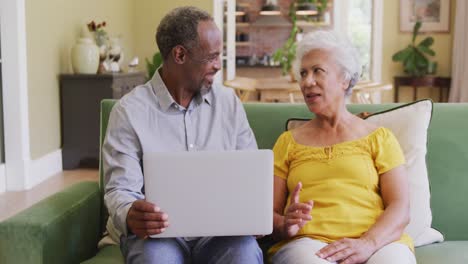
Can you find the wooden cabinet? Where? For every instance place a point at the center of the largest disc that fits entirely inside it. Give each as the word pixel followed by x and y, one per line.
pixel 423 81
pixel 80 97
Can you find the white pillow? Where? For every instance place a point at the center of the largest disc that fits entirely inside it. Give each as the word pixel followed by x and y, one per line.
pixel 409 124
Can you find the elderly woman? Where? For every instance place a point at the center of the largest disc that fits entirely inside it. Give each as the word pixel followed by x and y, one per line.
pixel 341 193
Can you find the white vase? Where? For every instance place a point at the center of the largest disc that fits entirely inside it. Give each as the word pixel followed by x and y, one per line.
pixel 85 56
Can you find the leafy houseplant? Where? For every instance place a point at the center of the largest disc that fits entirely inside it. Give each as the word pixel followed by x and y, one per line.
pixel 152 66
pixel 321 5
pixel 100 33
pixel 413 57
pixel 287 53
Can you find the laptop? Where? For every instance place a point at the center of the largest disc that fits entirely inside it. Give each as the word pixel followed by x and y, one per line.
pixel 212 193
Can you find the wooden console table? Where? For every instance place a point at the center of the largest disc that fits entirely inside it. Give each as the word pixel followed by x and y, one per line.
pixel 425 81
pixel 279 89
pixel 80 100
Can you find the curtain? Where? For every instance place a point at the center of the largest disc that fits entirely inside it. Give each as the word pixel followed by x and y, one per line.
pixel 459 89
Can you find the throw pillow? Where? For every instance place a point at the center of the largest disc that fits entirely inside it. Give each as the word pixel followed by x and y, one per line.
pixel 409 124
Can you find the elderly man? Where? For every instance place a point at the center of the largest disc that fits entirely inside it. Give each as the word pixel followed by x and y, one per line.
pixel 179 109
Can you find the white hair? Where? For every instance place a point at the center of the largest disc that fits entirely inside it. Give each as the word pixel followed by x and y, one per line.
pixel 343 52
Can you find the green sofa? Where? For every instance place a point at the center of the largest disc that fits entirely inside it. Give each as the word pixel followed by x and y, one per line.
pixel 66 227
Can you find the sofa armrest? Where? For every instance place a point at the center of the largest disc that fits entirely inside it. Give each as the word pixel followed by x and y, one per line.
pixel 63 228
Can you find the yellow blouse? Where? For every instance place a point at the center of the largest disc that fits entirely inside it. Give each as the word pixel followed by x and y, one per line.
pixel 342 180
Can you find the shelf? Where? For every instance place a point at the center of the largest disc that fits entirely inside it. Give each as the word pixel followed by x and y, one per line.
pixel 243 44
pixel 257 66
pixel 312 24
pixel 239 24
pixel 242 24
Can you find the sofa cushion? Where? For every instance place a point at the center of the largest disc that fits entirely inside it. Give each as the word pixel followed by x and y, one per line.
pixel 446 252
pixel 409 123
pixel 108 255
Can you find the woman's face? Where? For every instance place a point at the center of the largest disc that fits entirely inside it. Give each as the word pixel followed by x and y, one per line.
pixel 322 81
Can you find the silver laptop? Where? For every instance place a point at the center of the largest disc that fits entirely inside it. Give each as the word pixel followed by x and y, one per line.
pixel 212 193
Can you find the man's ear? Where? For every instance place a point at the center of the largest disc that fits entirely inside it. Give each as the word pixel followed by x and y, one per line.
pixel 179 54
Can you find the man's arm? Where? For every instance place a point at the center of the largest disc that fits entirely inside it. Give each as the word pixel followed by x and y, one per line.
pixel 123 177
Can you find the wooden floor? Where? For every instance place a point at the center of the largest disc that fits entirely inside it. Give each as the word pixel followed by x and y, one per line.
pixel 14 202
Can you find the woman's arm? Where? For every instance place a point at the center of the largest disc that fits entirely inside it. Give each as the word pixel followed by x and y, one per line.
pixel 388 228
pixel 280 193
pixel 297 214
pixel 395 195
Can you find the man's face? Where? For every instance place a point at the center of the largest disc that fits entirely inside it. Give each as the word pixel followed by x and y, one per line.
pixel 204 61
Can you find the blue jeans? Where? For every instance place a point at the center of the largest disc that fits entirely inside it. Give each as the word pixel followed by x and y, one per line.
pixel 206 250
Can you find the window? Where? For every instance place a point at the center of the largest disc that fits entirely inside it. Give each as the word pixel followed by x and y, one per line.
pixel 360 32
pixel 361 20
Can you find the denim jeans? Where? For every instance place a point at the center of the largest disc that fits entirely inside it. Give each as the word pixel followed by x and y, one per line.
pixel 206 250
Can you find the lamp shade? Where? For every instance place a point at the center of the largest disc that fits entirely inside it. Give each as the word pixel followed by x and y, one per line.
pixel 239 11
pixel 270 10
pixel 306 9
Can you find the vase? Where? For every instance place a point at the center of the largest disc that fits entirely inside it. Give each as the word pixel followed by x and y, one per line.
pixel 85 56
pixel 115 54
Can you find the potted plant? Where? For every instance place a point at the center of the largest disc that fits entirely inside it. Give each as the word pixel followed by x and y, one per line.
pixel 312 10
pixel 414 56
pixel 152 66
pixel 287 53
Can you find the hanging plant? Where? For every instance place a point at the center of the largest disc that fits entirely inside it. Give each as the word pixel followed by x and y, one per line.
pixel 287 53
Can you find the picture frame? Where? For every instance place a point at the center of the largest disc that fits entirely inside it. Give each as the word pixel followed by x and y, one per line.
pixel 434 15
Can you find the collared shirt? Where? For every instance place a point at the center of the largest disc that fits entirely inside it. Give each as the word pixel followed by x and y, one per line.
pixel 149 120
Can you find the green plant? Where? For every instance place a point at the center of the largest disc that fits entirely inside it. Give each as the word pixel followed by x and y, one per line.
pixel 413 57
pixel 320 4
pixel 287 53
pixel 100 34
pixel 152 66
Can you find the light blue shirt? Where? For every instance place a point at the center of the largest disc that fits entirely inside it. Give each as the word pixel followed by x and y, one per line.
pixel 149 120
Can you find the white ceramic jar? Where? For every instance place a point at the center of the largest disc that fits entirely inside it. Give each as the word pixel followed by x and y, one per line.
pixel 85 56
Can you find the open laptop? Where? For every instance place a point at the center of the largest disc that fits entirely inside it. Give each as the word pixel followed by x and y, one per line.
pixel 212 193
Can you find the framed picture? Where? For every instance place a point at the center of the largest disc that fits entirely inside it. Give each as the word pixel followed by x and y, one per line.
pixel 434 15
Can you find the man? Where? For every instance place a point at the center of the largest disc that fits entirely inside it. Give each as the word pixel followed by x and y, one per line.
pixel 177 110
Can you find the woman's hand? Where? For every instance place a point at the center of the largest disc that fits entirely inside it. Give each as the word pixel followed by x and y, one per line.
pixel 297 214
pixel 348 251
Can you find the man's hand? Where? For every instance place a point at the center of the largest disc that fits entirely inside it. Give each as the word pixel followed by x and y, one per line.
pixel 145 219
pixel 297 214
pixel 348 251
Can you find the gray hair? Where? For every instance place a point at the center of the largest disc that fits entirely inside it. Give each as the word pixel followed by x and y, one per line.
pixel 179 27
pixel 343 52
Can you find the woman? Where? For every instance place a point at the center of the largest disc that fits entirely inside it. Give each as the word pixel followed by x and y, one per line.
pixel 341 193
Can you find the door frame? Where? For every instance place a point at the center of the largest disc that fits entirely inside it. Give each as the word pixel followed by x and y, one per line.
pixel 230 31
pixel 15 95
